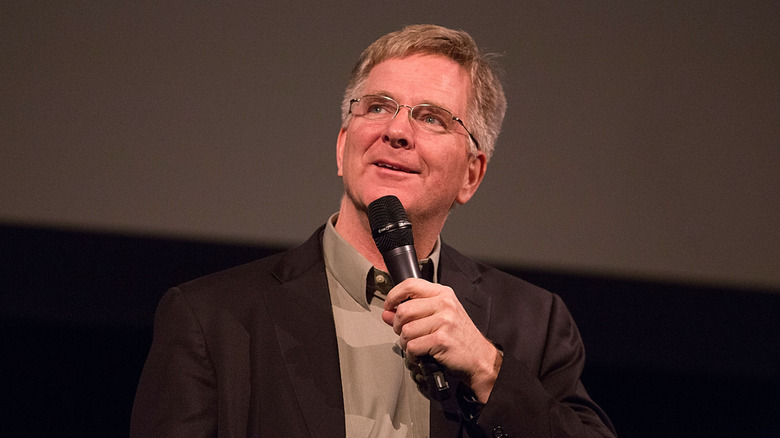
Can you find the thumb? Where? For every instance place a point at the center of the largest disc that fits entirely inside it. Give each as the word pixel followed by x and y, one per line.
pixel 388 316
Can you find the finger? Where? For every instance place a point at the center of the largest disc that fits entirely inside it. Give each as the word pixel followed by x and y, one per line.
pixel 407 289
pixel 413 311
pixel 388 316
pixel 416 372
pixel 426 345
pixel 419 337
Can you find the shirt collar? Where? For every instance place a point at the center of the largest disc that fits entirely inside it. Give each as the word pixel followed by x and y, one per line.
pixel 349 268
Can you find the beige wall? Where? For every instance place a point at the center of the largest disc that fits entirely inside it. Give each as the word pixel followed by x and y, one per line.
pixel 640 139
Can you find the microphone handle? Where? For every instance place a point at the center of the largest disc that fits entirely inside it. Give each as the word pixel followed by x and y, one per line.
pixel 434 377
pixel 401 264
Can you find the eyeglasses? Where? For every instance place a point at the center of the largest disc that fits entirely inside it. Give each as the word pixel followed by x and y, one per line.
pixel 429 117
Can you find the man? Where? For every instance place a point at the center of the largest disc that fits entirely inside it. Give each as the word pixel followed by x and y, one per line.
pixel 315 341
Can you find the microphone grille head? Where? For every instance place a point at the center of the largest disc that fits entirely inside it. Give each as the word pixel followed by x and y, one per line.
pixel 390 226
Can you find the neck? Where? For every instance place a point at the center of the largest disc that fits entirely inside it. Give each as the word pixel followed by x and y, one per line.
pixel 353 226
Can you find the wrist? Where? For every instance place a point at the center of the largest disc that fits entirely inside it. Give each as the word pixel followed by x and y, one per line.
pixel 482 382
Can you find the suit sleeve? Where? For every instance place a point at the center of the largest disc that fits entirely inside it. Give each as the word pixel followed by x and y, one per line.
pixel 548 401
pixel 177 394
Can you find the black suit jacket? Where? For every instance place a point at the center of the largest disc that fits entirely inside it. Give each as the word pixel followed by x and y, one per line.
pixel 252 351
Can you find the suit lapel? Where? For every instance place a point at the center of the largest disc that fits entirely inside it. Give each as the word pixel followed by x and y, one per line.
pixel 303 320
pixel 462 275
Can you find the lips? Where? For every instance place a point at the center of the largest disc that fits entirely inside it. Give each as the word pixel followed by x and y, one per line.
pixel 395 167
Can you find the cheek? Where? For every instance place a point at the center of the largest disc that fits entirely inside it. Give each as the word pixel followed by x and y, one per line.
pixel 454 176
pixel 450 168
pixel 358 141
pixel 352 153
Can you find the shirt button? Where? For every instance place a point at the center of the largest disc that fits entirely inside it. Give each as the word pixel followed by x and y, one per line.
pixel 380 279
pixel 499 433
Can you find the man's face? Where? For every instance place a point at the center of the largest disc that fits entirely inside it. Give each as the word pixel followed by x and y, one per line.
pixel 427 171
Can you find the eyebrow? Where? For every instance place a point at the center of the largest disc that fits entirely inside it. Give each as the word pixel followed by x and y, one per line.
pixel 426 102
pixel 384 93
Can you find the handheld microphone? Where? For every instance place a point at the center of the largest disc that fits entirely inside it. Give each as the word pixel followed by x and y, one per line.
pixel 392 233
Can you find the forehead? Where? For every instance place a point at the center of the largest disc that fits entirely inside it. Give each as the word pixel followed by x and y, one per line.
pixel 418 79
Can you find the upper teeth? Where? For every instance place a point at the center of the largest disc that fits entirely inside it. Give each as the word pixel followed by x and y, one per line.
pixel 388 166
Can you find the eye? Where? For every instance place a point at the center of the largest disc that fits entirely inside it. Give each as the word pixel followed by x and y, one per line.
pixel 378 107
pixel 432 120
pixel 375 109
pixel 433 117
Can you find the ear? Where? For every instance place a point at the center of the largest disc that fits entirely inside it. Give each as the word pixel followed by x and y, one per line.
pixel 340 143
pixel 475 171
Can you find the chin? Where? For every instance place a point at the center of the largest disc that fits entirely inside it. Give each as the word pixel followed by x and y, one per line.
pixel 377 192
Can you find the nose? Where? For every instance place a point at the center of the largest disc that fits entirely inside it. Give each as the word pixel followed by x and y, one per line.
pixel 399 131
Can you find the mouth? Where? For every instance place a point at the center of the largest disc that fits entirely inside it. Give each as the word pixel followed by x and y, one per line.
pixel 394 167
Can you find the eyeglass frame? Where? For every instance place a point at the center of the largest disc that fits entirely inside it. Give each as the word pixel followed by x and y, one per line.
pixel 411 109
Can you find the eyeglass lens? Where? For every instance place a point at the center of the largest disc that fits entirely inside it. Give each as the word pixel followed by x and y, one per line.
pixel 430 117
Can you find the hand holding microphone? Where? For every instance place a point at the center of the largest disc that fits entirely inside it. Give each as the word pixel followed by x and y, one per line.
pixel 392 233
pixel 432 318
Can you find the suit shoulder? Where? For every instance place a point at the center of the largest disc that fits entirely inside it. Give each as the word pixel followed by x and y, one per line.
pixel 498 282
pixel 232 282
pixel 260 274
pixel 235 274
